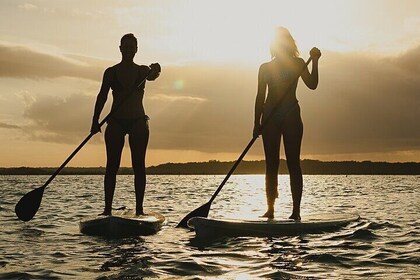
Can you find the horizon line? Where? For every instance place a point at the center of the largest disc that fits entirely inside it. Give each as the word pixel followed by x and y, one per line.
pixel 218 161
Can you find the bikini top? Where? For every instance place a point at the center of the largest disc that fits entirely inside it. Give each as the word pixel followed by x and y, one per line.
pixel 116 84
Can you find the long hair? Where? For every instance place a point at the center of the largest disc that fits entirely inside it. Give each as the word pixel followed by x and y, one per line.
pixel 283 44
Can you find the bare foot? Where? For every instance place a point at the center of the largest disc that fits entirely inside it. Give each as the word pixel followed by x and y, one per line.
pixel 105 213
pixel 140 213
pixel 269 214
pixel 295 217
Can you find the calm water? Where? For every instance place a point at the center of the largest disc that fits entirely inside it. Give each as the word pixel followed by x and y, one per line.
pixel 384 244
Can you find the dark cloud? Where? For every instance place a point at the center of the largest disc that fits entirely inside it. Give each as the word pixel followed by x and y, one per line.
pixel 409 61
pixel 9 126
pixel 60 120
pixel 364 104
pixel 22 62
pixel 219 121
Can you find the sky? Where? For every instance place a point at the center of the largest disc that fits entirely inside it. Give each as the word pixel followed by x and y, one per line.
pixel 53 54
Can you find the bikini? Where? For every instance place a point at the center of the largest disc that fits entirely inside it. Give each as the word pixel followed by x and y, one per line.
pixel 126 124
pixel 288 105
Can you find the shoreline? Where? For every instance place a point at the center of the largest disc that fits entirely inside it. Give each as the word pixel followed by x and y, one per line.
pixel 309 167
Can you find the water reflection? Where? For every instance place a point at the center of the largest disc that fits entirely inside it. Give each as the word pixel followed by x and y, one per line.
pixel 384 242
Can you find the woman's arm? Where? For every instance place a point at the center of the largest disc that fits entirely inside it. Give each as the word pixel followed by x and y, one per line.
pixel 311 79
pixel 260 100
pixel 101 100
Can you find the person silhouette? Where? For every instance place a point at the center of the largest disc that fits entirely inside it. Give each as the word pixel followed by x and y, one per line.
pixel 277 82
pixel 129 118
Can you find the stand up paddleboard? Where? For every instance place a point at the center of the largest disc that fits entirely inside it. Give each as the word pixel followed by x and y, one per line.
pixel 209 228
pixel 122 223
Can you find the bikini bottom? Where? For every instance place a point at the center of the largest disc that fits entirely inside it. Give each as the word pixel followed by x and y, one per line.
pixel 283 115
pixel 127 124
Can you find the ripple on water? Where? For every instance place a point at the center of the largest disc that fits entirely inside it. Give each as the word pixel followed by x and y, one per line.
pixel 188 267
pixel 363 234
pixel 58 255
pixel 31 232
pixel 329 258
pixel 43 274
pixel 403 259
pixel 382 225
pixel 384 242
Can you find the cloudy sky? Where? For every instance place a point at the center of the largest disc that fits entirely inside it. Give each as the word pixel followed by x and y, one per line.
pixel 53 54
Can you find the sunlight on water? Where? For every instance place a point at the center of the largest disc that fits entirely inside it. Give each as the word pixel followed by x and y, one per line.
pixel 384 244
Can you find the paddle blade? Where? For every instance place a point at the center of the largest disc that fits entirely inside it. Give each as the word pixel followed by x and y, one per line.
pixel 28 205
pixel 202 211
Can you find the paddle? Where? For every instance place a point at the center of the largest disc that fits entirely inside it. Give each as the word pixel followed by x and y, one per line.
pixel 203 211
pixel 29 204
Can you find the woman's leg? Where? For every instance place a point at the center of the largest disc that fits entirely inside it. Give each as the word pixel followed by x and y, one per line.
pixel 114 141
pixel 138 139
pixel 292 137
pixel 271 138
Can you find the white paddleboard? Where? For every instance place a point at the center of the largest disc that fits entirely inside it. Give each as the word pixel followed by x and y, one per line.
pixel 122 223
pixel 210 228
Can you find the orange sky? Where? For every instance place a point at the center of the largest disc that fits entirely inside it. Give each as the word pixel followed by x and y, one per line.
pixel 53 54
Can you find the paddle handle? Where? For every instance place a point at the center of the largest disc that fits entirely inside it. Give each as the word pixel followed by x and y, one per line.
pixel 254 138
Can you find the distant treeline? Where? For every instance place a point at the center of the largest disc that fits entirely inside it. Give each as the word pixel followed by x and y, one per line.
pixel 214 167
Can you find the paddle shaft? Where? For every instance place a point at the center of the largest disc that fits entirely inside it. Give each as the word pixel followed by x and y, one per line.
pixel 254 138
pixel 91 134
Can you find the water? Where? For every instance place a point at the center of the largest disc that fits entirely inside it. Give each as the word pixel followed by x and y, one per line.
pixel 384 244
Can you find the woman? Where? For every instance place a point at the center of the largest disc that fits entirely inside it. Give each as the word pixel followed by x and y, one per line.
pixel 128 118
pixel 280 76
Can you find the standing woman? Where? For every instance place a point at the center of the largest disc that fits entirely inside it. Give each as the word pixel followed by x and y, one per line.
pixel 277 83
pixel 128 118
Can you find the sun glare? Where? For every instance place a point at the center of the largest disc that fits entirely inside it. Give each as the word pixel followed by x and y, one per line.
pixel 240 37
pixel 241 32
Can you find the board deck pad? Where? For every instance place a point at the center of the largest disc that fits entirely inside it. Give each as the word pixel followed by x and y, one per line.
pixel 210 228
pixel 122 223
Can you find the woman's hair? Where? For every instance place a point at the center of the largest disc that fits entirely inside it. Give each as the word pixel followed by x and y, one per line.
pixel 283 44
pixel 129 36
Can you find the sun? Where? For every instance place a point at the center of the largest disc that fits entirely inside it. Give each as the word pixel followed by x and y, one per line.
pixel 241 31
